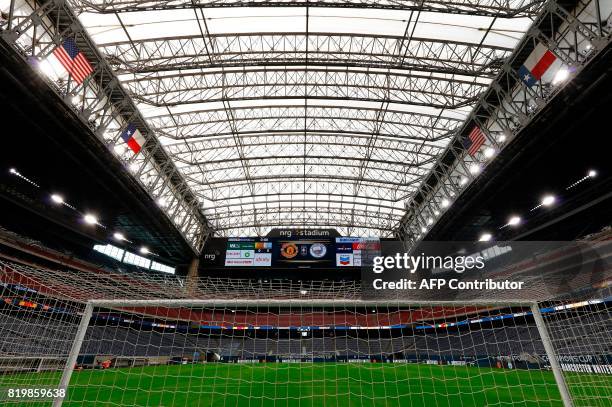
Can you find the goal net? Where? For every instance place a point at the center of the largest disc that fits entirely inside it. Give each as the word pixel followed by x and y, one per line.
pixel 297 346
pixel 270 353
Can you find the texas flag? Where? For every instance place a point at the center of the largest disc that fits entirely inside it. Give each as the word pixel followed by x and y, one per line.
pixel 539 62
pixel 133 138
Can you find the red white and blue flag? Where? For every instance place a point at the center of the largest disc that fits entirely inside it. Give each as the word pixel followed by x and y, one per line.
pixel 474 141
pixel 73 60
pixel 536 65
pixel 133 138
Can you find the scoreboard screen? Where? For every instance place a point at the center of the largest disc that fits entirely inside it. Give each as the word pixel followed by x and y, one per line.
pixel 309 249
pixel 248 252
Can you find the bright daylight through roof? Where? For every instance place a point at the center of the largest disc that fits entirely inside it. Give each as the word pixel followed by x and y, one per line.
pixel 315 117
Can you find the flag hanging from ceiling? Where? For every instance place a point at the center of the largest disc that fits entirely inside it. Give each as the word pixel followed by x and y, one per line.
pixel 536 65
pixel 474 141
pixel 73 60
pixel 133 138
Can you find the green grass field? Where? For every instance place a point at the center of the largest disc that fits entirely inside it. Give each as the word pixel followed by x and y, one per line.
pixel 322 384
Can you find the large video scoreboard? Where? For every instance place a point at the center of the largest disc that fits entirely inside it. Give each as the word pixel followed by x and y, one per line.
pixel 291 248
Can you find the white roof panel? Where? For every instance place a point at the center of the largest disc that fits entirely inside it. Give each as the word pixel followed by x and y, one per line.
pixel 326 117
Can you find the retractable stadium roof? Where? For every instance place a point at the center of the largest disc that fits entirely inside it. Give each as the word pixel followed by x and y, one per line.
pixel 305 113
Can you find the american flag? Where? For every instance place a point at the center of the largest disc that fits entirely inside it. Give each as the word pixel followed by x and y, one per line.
pixel 73 60
pixel 474 141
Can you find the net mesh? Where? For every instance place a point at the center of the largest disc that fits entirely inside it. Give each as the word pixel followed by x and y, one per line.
pixel 581 334
pixel 274 343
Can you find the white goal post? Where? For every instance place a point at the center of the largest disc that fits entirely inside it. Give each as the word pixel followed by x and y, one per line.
pixel 335 307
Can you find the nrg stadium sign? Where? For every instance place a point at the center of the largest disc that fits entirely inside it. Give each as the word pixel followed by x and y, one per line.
pixel 303 233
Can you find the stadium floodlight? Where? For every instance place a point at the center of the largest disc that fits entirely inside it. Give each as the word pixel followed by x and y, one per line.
pixel 445 203
pixel 90 219
pixel 463 181
pixel 502 138
pixel 548 200
pixel 489 152
pixel 58 199
pixel 430 221
pixel 590 174
pixel 436 212
pixel 119 236
pixel 423 229
pixel 144 250
pixel 14 171
pixel 474 169
pixel 303 292
pixel 162 202
pixel 485 237
pixel 514 220
pixel 561 76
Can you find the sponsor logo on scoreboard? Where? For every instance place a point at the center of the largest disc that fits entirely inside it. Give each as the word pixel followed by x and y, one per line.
pixel 262 259
pixel 238 262
pixel 318 250
pixel 289 250
pixel 232 254
pixel 344 259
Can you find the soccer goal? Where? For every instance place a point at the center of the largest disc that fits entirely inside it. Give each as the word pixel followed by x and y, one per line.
pixel 331 353
pixel 253 352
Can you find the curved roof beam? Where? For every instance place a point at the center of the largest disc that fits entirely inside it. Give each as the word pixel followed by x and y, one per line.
pixel 342 120
pixel 278 202
pixel 227 200
pixel 241 191
pixel 239 186
pixel 384 167
pixel 330 84
pixel 209 148
pixel 491 8
pixel 310 218
pixel 420 135
pixel 314 49
pixel 300 177
pixel 231 193
pixel 348 171
pixel 271 212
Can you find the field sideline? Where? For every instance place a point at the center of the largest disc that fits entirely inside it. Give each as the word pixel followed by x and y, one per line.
pixel 321 384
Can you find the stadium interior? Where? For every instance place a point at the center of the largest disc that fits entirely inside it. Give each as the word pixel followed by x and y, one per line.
pixel 190 190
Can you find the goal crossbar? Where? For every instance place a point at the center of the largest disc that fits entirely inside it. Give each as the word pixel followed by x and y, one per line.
pixel 309 302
